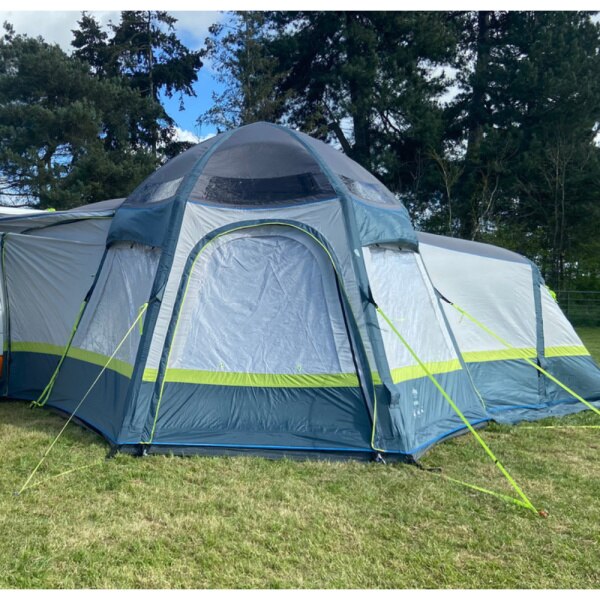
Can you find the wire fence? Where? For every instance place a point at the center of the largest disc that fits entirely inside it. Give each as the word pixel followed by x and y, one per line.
pixel 581 308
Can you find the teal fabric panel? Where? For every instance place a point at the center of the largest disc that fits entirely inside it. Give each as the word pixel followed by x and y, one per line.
pixel 378 225
pixel 420 415
pixel 291 417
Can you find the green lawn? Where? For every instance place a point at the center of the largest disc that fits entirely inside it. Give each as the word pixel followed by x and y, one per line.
pixel 248 522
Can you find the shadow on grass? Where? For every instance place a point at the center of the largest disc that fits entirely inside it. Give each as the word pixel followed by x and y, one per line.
pixel 21 415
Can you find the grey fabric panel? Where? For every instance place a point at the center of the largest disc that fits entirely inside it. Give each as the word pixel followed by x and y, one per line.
pixel 470 247
pixel 47 280
pixel 356 178
pixel 260 151
pixel 262 301
pixel 261 164
pixel 123 285
pixel 104 205
pixel 47 219
pixel 163 183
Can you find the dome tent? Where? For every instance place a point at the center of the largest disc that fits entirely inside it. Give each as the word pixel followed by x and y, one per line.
pixel 254 261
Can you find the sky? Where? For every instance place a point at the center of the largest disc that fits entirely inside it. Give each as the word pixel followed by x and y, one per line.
pixel 192 29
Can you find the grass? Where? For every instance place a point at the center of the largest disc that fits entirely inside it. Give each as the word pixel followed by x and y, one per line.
pixel 160 522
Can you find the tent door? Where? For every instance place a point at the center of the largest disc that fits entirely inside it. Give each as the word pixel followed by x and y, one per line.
pixel 258 351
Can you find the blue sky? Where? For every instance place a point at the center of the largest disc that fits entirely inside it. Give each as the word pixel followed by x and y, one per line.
pixel 192 28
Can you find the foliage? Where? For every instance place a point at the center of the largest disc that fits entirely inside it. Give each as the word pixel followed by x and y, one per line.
pixel 144 50
pixel 90 126
pixel 65 136
pixel 246 72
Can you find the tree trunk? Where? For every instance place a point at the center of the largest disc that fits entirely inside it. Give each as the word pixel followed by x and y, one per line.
pixel 475 124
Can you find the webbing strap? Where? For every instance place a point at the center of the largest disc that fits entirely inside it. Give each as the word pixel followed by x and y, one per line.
pixel 48 389
pixel 141 311
pixel 567 389
pixel 525 502
pixel 483 490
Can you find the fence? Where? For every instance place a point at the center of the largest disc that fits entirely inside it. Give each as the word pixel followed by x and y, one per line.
pixel 581 308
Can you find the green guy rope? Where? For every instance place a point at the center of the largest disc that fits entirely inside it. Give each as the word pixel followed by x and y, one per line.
pixel 45 395
pixel 141 312
pixel 479 324
pixel 524 502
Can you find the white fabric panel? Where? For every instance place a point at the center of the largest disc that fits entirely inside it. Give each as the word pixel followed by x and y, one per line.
pixel 404 294
pixel 47 279
pixel 262 301
pixel 92 231
pixel 557 329
pixel 124 284
pixel 199 220
pixel 498 293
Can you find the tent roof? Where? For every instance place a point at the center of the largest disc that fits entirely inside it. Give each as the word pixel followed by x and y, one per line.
pixel 260 164
pixel 470 247
pixel 42 218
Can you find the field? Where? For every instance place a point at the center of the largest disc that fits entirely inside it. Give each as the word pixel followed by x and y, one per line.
pixel 160 522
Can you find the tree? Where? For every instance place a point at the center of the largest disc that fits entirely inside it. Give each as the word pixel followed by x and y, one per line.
pixel 527 115
pixel 66 136
pixel 248 73
pixel 142 48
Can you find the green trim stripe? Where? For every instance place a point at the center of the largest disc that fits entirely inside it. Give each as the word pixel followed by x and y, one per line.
pixel 554 351
pixel 523 353
pixel 119 366
pixel 503 354
pixel 283 380
pixel 416 371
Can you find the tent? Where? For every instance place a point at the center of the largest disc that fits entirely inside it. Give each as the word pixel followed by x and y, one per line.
pixel 263 293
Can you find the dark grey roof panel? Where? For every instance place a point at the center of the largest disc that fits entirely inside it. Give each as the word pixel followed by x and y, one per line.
pixel 470 247
pixel 260 151
pixel 164 183
pixel 357 179
pixel 261 164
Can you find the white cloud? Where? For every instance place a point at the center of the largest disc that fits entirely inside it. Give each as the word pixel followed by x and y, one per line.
pixel 184 135
pixel 56 26
pixel 194 25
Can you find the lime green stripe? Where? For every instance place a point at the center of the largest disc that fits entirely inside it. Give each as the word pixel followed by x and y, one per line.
pixel 567 389
pixel 505 354
pixel 416 371
pixel 317 380
pixel 150 375
pixel 119 366
pixel 520 353
pixel 552 351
